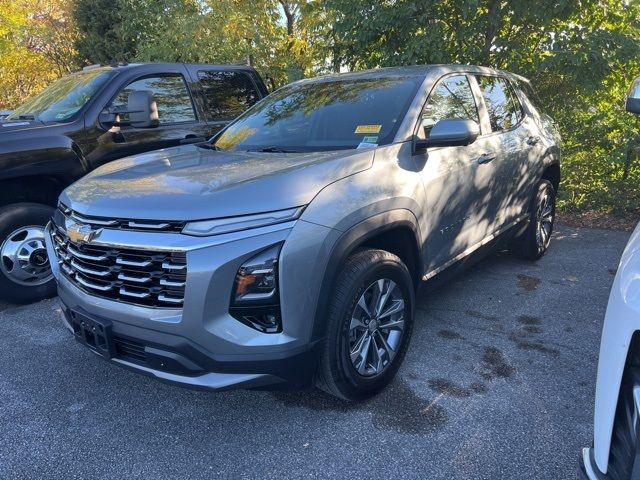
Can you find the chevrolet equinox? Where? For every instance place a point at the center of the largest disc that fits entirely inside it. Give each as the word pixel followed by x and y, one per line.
pixel 290 246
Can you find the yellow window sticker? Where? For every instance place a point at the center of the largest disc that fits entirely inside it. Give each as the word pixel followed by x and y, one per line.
pixel 368 128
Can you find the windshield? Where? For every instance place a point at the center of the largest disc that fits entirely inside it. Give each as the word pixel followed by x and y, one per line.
pixel 329 115
pixel 63 98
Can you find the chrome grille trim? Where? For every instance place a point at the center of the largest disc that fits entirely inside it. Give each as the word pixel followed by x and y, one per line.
pixel 129 293
pixel 94 258
pixel 93 286
pixel 148 278
pixel 89 271
pixel 123 223
pixel 133 263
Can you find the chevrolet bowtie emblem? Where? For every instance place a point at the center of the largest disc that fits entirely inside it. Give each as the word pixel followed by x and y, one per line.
pixel 79 233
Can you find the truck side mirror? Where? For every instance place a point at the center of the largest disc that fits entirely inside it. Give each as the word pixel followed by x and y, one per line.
pixel 633 97
pixel 142 109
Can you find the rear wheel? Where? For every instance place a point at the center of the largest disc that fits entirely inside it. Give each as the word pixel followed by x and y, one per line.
pixel 369 325
pixel 534 242
pixel 25 274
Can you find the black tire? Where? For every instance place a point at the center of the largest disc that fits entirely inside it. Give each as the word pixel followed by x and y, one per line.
pixel 13 217
pixel 624 439
pixel 529 245
pixel 336 373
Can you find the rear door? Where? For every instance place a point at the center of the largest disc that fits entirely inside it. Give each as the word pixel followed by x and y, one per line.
pixel 457 180
pixel 224 94
pixel 508 138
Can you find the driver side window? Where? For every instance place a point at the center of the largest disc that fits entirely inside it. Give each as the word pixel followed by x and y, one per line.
pixel 171 96
pixel 451 98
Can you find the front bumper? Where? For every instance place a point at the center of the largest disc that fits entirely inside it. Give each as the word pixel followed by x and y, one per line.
pixel 200 345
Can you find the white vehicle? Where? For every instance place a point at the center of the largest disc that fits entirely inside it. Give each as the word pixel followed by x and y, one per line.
pixel 616 438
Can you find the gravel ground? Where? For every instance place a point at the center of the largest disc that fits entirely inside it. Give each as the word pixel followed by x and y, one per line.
pixel 498 384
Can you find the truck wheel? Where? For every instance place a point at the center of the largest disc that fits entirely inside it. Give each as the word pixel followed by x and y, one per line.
pixel 368 327
pixel 534 241
pixel 25 275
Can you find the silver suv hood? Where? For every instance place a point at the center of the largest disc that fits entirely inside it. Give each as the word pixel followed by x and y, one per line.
pixel 193 183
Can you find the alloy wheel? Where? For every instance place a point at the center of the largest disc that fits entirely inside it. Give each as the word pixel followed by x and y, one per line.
pixel 376 327
pixel 545 214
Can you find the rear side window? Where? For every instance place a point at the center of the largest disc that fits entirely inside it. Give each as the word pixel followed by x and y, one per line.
pixel 451 98
pixel 226 94
pixel 502 104
pixel 171 95
pixel 532 96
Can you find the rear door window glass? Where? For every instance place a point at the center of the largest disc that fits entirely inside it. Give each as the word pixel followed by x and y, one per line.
pixel 502 104
pixel 226 94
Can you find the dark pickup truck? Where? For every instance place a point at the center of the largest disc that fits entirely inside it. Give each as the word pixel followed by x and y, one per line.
pixel 89 118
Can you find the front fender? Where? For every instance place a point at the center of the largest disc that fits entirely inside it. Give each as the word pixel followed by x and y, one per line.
pixel 349 241
pixel 49 155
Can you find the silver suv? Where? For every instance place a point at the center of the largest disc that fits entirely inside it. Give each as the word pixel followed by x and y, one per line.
pixel 289 248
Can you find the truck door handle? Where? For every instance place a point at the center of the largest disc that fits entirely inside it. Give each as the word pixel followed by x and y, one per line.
pixel 486 158
pixel 532 140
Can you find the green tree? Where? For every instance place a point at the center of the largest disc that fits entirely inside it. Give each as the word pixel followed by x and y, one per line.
pixel 102 38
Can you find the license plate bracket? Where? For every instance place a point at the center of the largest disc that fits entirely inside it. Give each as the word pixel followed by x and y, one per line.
pixel 93 333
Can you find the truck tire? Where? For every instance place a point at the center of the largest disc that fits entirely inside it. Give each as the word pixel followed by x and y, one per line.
pixel 368 327
pixel 25 274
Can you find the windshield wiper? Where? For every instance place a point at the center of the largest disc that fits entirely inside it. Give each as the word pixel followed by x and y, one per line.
pixel 209 146
pixel 274 150
pixel 26 117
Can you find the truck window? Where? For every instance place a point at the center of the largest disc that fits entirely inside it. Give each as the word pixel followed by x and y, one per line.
pixel 501 101
pixel 171 95
pixel 451 98
pixel 226 94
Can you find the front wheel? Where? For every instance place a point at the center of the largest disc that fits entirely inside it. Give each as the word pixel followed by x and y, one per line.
pixel 369 325
pixel 534 241
pixel 25 274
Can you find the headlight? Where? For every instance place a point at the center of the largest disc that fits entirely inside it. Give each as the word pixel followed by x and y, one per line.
pixel 257 278
pixel 244 222
pixel 255 300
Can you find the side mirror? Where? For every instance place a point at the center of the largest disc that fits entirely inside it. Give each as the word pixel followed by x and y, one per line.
pixel 453 132
pixel 142 109
pixel 633 97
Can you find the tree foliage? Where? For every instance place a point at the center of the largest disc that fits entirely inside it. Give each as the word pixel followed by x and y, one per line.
pixel 579 54
pixel 36 46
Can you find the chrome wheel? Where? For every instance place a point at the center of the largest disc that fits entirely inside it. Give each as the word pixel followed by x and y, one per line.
pixel 23 257
pixel 376 328
pixel 544 220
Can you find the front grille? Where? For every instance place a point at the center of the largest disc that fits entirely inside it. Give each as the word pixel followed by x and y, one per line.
pixel 122 223
pixel 140 277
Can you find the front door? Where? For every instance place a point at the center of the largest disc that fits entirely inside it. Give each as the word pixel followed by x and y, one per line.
pixel 177 121
pixel 457 180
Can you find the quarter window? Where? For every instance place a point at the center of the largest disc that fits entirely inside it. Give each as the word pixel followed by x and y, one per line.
pixel 452 98
pixel 502 104
pixel 171 95
pixel 226 94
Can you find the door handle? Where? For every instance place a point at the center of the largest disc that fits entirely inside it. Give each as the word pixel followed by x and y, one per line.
pixel 532 140
pixel 486 158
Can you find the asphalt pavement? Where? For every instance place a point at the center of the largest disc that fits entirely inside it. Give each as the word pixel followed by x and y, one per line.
pixel 498 384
